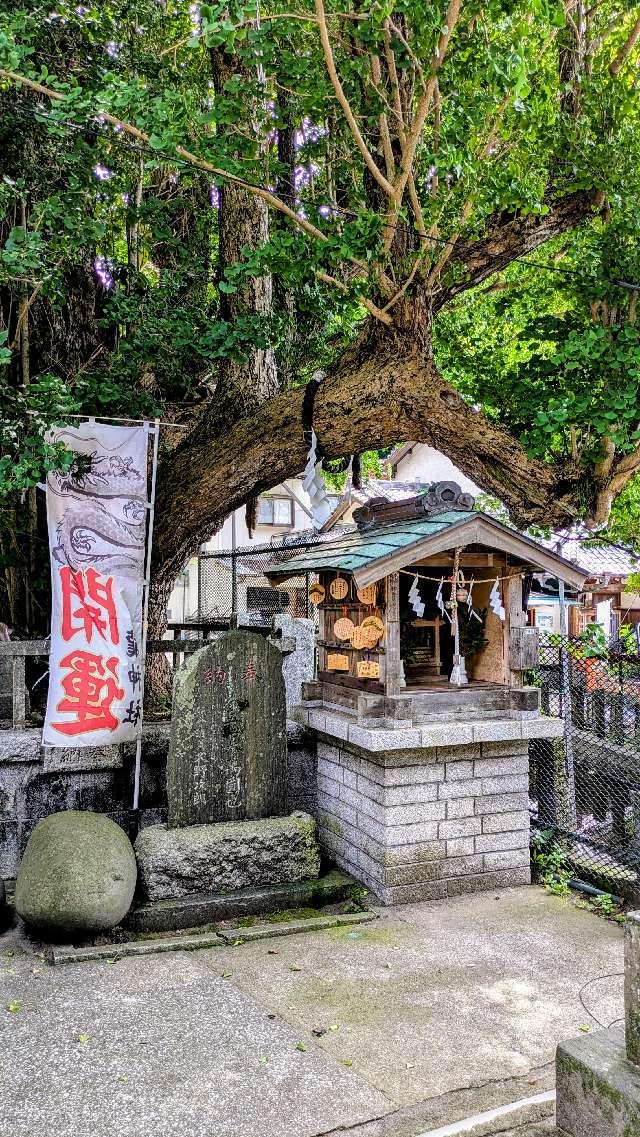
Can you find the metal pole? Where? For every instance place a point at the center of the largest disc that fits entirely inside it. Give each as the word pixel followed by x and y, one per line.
pixel 567 710
pixel 151 506
pixel 234 566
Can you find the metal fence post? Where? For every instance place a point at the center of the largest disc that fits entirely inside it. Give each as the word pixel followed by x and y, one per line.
pixel 234 584
pixel 567 710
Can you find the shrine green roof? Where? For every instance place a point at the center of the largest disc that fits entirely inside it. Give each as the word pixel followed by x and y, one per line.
pixel 372 554
pixel 353 551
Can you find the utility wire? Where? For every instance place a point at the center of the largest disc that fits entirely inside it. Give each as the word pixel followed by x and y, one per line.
pixel 330 208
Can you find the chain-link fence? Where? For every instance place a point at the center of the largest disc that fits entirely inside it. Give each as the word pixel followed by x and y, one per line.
pixel 234 583
pixel 585 785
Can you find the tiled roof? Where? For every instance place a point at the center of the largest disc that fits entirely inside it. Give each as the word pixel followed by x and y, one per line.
pixel 353 550
pixel 597 560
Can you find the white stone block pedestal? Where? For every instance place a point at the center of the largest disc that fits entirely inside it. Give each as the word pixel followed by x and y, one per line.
pixel 427 812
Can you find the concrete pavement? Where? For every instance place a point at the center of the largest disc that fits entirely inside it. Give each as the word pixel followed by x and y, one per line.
pixel 433 1013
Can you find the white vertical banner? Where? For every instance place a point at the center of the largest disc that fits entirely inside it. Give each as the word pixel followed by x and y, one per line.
pixel 97 524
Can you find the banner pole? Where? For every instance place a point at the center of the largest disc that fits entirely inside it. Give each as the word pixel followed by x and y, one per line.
pixel 151 505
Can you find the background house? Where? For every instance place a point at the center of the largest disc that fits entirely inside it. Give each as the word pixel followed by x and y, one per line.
pixel 606 599
pixel 208 587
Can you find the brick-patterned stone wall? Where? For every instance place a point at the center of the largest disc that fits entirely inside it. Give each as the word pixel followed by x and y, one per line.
pixel 426 824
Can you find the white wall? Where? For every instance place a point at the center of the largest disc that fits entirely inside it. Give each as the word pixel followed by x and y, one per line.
pixel 183 601
pixel 262 534
pixel 424 464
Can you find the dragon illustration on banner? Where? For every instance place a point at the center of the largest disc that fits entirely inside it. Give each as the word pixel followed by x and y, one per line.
pixel 101 521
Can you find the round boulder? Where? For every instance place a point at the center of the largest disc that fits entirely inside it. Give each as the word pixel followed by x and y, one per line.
pixel 78 874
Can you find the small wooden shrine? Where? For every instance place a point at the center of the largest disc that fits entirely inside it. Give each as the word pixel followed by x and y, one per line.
pixel 425 603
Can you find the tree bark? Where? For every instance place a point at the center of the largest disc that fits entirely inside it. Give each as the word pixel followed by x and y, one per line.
pixel 243 222
pixel 384 390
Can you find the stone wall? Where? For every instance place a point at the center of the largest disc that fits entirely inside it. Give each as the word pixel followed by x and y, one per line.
pixel 36 781
pixel 420 825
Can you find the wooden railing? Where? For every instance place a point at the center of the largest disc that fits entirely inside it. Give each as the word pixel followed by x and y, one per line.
pixel 18 650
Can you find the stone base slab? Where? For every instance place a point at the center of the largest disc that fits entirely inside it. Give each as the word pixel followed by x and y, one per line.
pixel 458 886
pixel 385 736
pixel 226 856
pixel 208 908
pixel 598 1091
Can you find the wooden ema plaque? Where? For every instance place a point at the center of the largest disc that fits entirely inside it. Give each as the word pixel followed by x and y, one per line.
pixel 343 628
pixel 337 662
pixel 316 594
pixel 368 669
pixel 360 639
pixel 339 588
pixel 367 595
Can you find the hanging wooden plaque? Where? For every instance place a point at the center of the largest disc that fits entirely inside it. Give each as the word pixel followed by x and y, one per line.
pixel 339 588
pixel 368 669
pixel 317 593
pixel 374 628
pixel 367 595
pixel 337 662
pixel 371 637
pixel 343 628
pixel 360 639
pixel 373 622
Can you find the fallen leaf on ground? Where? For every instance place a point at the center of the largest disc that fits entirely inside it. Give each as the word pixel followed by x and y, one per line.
pixel 333 1026
pixel 226 975
pixel 301 1046
pixel 347 1062
pixel 295 967
pixel 84 1038
pixel 14 1007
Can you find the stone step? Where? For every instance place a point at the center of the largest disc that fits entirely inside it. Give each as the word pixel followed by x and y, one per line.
pixel 533 1117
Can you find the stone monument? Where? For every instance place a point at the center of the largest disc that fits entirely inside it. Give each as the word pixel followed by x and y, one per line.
pixel 228 747
pixel 226 781
pixel 598 1075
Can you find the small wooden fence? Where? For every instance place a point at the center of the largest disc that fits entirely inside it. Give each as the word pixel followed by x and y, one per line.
pixel 17 651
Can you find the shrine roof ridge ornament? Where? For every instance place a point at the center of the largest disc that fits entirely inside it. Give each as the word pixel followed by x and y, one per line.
pixel 441 497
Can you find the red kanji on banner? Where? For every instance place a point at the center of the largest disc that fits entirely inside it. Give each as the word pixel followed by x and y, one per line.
pixel 96 608
pixel 90 688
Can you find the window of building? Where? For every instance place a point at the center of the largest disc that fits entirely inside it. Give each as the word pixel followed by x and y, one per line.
pixel 275 511
pixel 267 600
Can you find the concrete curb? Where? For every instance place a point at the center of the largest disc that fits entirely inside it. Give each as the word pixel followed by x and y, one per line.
pixel 112 952
pixel 314 924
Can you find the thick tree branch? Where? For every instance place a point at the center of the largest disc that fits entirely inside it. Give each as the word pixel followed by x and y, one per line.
pixel 512 239
pixel 383 390
pixel 625 50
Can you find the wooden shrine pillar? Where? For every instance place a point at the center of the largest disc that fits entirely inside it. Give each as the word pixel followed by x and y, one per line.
pixel 515 618
pixel 392 635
